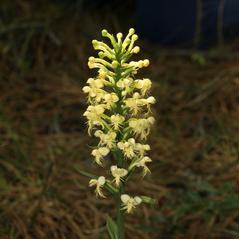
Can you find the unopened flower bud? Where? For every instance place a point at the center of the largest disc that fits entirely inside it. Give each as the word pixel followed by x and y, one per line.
pixel 104 33
pixel 115 64
pixel 146 62
pixel 94 42
pixel 119 35
pixel 135 37
pixel 151 100
pixel 131 31
pixel 136 49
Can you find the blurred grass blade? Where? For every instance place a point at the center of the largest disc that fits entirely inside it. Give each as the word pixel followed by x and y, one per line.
pixel 12 169
pixel 86 174
pixel 112 228
pixel 4 186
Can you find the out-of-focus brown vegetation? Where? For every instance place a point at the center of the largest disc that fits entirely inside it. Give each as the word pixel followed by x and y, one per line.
pixel 195 142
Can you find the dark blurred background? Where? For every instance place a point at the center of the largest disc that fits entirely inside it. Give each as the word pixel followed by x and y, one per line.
pixel 193 49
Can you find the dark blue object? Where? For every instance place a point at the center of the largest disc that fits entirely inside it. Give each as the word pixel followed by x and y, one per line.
pixel 187 22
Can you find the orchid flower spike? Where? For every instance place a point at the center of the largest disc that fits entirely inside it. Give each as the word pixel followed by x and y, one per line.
pixel 119 115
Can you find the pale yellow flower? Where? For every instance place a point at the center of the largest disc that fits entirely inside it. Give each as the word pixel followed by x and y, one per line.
pixel 102 74
pixel 94 115
pixel 142 163
pixel 143 85
pixel 94 90
pixel 94 94
pixel 126 85
pixel 151 100
pixel 141 148
pixel 99 154
pixel 110 100
pixel 128 147
pixel 130 203
pixel 95 83
pixel 118 174
pixel 106 139
pixel 99 183
pixel 134 103
pixel 141 127
pixel 117 120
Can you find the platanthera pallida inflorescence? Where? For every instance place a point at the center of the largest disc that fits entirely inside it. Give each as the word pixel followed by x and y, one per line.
pixel 119 116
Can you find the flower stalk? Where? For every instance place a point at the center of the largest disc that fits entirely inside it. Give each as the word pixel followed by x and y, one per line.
pixel 119 115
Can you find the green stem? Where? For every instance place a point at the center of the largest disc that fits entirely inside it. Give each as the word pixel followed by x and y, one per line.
pixel 120 215
pixel 118 155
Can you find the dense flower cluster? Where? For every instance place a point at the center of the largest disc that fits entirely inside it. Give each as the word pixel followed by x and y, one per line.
pixel 119 112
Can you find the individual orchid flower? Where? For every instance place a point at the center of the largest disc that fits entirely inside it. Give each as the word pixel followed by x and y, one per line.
pixel 130 203
pixel 99 184
pixel 118 174
pixel 128 147
pixel 99 154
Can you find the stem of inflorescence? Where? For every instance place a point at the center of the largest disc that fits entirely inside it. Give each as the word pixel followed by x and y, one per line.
pixel 120 213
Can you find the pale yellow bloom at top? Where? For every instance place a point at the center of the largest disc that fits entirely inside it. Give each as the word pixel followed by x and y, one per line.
pixel 128 147
pixel 141 148
pixel 106 139
pixel 99 45
pixel 127 40
pixel 119 37
pixel 110 100
pixel 118 174
pixel 130 203
pixel 141 127
pixel 143 85
pixel 99 183
pixel 101 64
pixel 117 120
pixel 131 45
pixel 99 154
